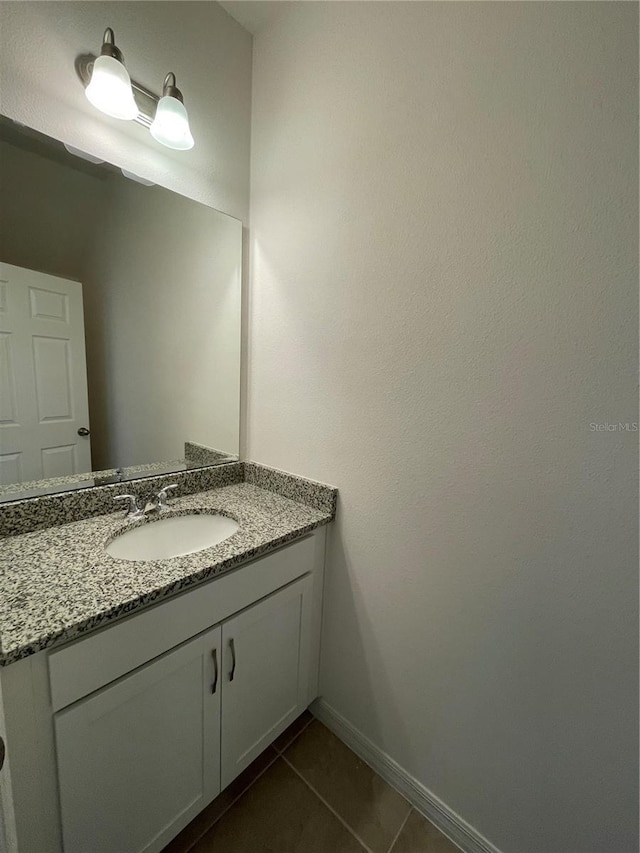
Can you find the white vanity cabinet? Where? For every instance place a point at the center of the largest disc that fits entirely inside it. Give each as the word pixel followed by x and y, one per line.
pixel 264 687
pixel 141 755
pixel 117 740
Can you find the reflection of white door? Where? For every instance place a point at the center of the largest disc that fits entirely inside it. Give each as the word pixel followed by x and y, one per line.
pixel 43 377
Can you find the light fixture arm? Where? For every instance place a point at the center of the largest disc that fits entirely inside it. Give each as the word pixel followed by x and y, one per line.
pixel 170 89
pixel 109 47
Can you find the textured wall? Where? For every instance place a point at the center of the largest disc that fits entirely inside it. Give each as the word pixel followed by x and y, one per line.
pixel 444 298
pixel 164 307
pixel 209 52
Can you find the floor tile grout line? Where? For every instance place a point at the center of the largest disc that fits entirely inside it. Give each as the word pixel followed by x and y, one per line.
pixel 402 826
pixel 277 754
pixel 234 801
pixel 331 809
pixel 295 737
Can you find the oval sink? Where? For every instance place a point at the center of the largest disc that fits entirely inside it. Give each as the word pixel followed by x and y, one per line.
pixel 172 537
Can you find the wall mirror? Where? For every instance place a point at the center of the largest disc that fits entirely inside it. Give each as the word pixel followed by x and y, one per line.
pixel 119 323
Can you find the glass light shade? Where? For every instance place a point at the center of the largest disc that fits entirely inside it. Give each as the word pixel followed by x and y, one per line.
pixel 171 124
pixel 110 89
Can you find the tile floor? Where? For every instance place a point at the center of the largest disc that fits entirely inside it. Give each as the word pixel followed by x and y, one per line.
pixel 308 793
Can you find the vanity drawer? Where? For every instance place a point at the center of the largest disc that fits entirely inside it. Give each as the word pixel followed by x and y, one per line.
pixel 91 662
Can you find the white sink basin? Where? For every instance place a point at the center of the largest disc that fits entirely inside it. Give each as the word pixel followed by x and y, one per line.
pixel 172 537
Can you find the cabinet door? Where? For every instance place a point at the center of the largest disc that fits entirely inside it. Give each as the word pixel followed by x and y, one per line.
pixel 266 654
pixel 140 758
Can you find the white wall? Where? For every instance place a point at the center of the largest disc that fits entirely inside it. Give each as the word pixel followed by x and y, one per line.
pixel 47 212
pixel 164 310
pixel 209 52
pixel 444 298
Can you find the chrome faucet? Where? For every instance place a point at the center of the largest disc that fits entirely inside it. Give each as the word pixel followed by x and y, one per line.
pixel 159 503
pixel 134 510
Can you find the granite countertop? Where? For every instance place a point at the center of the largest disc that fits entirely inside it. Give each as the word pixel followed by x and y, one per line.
pixel 59 583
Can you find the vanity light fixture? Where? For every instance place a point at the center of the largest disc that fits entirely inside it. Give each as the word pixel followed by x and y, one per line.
pixel 171 123
pixel 109 89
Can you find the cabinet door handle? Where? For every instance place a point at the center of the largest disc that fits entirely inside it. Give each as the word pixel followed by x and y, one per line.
pixel 232 646
pixel 215 670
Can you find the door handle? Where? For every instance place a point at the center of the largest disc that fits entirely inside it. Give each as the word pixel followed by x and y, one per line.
pixel 83 431
pixel 215 670
pixel 232 646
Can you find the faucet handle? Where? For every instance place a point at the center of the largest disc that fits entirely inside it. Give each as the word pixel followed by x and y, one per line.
pixel 134 510
pixel 163 496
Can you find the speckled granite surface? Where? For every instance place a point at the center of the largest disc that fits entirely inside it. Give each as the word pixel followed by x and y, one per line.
pixel 196 457
pixel 198 454
pixel 58 583
pixel 29 514
pixel 38 513
pixel 296 488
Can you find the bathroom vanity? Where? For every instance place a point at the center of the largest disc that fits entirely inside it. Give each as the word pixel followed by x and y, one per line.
pixel 133 692
pixel 133 689
pixel 134 686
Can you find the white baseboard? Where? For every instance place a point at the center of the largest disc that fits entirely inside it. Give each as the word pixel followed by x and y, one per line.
pixel 448 822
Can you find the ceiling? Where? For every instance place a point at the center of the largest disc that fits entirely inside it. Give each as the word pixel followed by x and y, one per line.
pixel 254 15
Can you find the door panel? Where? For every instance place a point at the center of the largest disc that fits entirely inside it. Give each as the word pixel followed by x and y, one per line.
pixel 11 468
pixel 139 759
pixel 51 362
pixel 49 304
pixel 57 461
pixel 265 675
pixel 43 380
pixel 8 405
